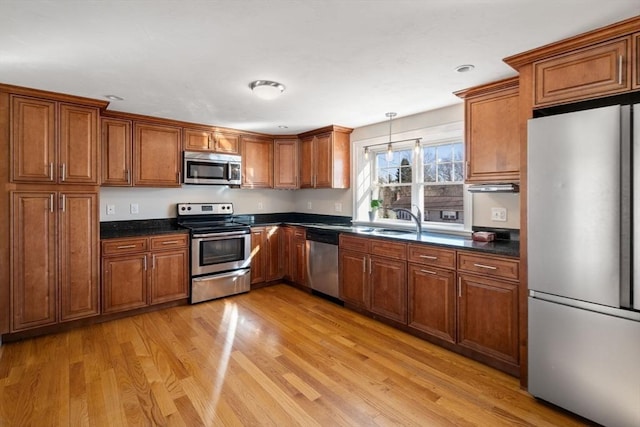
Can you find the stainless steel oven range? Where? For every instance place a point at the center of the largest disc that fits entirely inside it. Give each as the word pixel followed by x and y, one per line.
pixel 220 250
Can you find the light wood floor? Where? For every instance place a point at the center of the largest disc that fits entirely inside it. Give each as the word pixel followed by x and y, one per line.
pixel 275 356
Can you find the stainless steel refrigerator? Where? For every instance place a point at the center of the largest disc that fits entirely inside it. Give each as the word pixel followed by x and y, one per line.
pixel 583 266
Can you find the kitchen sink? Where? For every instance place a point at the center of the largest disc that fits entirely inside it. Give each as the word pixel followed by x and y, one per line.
pixel 391 232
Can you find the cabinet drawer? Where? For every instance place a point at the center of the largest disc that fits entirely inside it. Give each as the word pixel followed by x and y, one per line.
pixel 360 244
pixel 493 266
pixel 169 241
pixel 430 255
pixel 124 246
pixel 388 249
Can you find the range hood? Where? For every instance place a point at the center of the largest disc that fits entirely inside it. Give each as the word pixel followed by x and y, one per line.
pixel 494 188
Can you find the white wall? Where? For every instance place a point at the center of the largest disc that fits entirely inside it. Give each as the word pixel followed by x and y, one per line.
pixel 482 204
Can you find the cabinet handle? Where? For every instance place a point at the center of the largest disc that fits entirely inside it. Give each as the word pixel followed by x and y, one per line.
pixel 145 263
pixel 488 267
pixel 153 261
pixel 127 174
pixel 63 200
pixel 209 142
pixel 51 202
pixel 620 69
pixel 170 242
pixel 364 265
pixel 64 172
pixel 126 247
pixel 51 171
pixel 459 287
pixel 428 271
pixel 369 266
pixel 179 175
pixel 428 257
pixel 468 167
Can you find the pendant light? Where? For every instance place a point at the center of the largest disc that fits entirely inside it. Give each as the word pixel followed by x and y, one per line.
pixel 391 115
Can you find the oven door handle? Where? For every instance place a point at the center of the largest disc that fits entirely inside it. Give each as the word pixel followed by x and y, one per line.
pixel 219 236
pixel 238 273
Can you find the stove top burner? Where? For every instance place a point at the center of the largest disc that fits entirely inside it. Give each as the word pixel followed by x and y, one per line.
pixel 203 218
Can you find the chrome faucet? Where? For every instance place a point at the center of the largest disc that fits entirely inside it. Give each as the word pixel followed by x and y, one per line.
pixel 417 219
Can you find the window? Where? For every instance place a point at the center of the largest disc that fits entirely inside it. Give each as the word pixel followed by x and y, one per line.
pixel 429 176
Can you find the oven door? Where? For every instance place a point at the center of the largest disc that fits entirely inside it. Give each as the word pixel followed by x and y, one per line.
pixel 217 252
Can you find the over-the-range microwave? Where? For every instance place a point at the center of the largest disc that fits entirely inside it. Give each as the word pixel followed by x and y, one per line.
pixel 212 168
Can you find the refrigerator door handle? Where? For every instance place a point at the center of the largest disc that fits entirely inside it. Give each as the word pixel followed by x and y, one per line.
pixel 627 173
pixel 633 290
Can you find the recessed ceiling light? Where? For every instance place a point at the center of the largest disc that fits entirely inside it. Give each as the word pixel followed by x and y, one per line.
pixel 266 89
pixel 465 68
pixel 283 127
pixel 114 98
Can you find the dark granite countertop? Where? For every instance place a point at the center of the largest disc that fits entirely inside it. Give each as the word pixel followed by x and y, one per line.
pixel 138 228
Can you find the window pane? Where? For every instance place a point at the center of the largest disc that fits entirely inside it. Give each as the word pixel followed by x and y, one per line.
pixel 429 154
pixel 393 197
pixel 458 153
pixel 430 173
pixel 444 172
pixel 443 203
pixel 458 174
pixel 444 153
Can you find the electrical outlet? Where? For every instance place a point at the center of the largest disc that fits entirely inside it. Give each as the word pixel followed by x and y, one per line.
pixel 499 214
pixel 309 206
pixel 338 207
pixel 134 208
pixel 260 206
pixel 111 209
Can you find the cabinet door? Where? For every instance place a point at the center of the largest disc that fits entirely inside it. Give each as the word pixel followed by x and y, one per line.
pixel 197 140
pixel 33 257
pixel 595 71
pixel 169 276
pixel 258 267
pixel 354 278
pixel 227 143
pixel 79 255
pixel 124 282
pixel 156 155
pixel 323 161
pixel 306 171
pixel 273 265
pixel 432 301
pixel 493 137
pixel 286 253
pixel 636 65
pixel 116 152
pixel 300 260
pixel 33 133
pixel 257 163
pixel 79 153
pixel 488 316
pixel 285 163
pixel 388 283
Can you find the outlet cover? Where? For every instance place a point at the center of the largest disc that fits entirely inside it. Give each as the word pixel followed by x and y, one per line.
pixel 499 214
pixel 338 207
pixel 309 205
pixel 260 206
pixel 111 209
pixel 134 208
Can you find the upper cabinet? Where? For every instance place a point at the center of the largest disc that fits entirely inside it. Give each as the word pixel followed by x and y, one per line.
pixel 257 162
pixel 53 142
pixel 598 70
pixel 492 132
pixel 157 155
pixel 209 140
pixel 325 158
pixel 117 152
pixel 636 61
pixel 285 163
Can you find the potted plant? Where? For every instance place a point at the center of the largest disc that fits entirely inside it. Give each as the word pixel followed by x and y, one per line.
pixel 375 205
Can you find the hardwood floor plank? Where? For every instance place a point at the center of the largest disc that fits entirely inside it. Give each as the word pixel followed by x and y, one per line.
pixel 275 356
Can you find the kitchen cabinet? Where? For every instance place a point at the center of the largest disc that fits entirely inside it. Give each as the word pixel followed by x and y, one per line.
pixel 325 158
pixel 488 306
pixel 492 132
pixel 117 152
pixel 294 254
pixel 373 276
pixel 142 271
pixel 210 140
pixel 266 243
pixel 55 257
pixel 157 155
pixel 635 59
pixel 257 162
pixel 285 163
pixel 432 291
pixel 593 71
pixel 53 142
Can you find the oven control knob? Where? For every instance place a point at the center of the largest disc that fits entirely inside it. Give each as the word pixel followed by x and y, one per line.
pixel 182 208
pixel 189 208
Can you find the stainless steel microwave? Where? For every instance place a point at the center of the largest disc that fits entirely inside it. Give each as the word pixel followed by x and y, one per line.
pixel 212 168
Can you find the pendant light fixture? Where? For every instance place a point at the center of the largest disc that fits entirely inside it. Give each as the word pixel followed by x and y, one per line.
pixel 391 115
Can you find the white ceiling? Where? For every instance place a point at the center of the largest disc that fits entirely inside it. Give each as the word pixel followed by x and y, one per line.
pixel 344 62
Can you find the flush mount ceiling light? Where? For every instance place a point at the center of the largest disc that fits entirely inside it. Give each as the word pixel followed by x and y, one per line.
pixel 114 98
pixel 465 68
pixel 266 89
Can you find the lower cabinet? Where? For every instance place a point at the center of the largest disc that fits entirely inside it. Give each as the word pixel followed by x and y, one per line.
pixel 266 262
pixel 141 271
pixel 294 254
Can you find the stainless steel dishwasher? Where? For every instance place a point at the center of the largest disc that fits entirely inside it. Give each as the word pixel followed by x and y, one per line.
pixel 322 262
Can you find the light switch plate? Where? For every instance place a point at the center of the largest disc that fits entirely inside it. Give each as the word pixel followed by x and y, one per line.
pixel 134 208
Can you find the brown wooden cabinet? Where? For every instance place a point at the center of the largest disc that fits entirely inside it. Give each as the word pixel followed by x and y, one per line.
pixel 325 158
pixel 635 59
pixel 285 163
pixel 53 142
pixel 492 132
pixel 488 306
pixel 157 152
pixel 594 71
pixel 141 271
pixel 55 257
pixel 266 244
pixel 294 254
pixel 117 151
pixel 257 162
pixel 432 291
pixel 372 276
pixel 210 140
